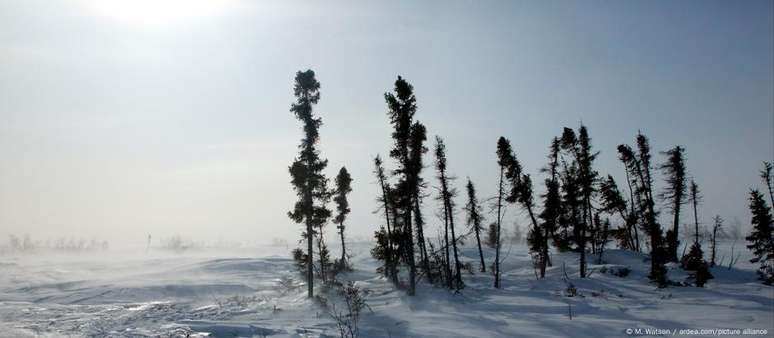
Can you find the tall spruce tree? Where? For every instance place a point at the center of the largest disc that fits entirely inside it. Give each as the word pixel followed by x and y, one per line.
pixel 760 238
pixel 639 165
pixel 674 195
pixel 306 171
pixel 475 218
pixel 552 200
pixel 581 179
pixel 447 195
pixel 343 188
pixel 504 161
pixel 416 149
pixel 521 192
pixel 402 106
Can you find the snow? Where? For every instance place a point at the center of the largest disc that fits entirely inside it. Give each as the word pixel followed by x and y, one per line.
pixel 258 293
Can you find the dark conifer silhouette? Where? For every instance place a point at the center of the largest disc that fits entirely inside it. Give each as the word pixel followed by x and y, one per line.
pixel 417 149
pixel 639 165
pixel 552 200
pixel 343 188
pixel 446 197
pixel 475 218
pixel 504 161
pixel 402 107
pixel 694 261
pixel 614 203
pixel 521 192
pixel 674 195
pixel 760 239
pixel 580 181
pixel 306 172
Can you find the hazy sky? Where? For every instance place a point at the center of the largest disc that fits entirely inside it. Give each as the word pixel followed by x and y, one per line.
pixel 119 119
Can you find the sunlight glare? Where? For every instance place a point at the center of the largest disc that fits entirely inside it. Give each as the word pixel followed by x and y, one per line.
pixel 158 12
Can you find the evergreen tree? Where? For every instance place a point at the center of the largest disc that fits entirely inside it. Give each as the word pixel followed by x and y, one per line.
pixel 402 107
pixel 504 161
pixel 447 194
pixel 570 218
pixel 343 188
pixel 537 234
pixel 614 203
pixel 639 165
pixel 306 172
pixel 552 203
pixel 581 179
pixel 475 218
pixel 674 195
pixel 694 261
pixel 416 150
pixel 760 238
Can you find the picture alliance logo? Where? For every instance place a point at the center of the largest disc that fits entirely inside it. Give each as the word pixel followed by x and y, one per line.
pixel 696 332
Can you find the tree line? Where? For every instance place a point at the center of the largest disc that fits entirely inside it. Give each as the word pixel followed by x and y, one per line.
pixel 580 210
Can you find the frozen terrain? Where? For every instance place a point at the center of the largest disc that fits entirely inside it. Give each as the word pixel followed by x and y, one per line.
pixel 258 293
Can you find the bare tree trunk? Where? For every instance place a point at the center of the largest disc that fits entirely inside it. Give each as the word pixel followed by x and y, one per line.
pixel 447 262
pixel 309 264
pixel 421 239
pixel 499 221
pixel 480 251
pixel 458 275
pixel 343 246
pixel 696 219
pixel 409 238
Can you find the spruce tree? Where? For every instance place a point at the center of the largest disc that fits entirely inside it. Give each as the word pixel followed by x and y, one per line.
pixel 674 195
pixel 760 238
pixel 581 179
pixel 552 203
pixel 639 165
pixel 306 172
pixel 614 203
pixel 521 192
pixel 694 261
pixel 447 194
pixel 416 149
pixel 343 188
pixel 475 218
pixel 537 234
pixel 504 161
pixel 401 109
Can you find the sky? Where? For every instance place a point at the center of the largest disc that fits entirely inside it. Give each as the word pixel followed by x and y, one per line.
pixel 120 119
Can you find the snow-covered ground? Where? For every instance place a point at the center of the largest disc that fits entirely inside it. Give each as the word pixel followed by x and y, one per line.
pixel 257 292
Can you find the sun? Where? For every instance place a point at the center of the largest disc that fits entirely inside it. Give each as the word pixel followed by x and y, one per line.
pixel 158 12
